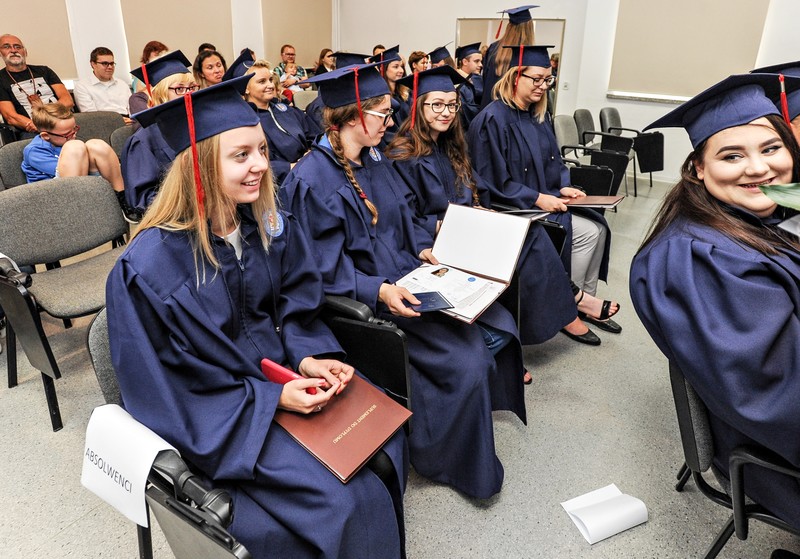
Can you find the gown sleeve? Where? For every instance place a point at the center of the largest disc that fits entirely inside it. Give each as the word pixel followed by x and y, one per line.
pixel 412 174
pixel 728 317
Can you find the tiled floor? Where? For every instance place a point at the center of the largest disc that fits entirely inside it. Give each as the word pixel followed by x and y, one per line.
pixel 596 416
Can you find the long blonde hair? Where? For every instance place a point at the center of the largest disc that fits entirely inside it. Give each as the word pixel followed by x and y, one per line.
pixel 515 35
pixel 504 91
pixel 175 207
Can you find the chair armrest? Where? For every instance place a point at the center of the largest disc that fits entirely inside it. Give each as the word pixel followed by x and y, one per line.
pixel 621 129
pixel 10 272
pixel 349 308
pixel 567 147
pixel 498 207
pixel 572 161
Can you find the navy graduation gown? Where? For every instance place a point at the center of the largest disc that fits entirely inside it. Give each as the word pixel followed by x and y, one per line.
pixel 470 99
pixel 146 158
pixel 187 358
pixel 519 159
pixel 314 112
pixel 489 76
pixel 289 133
pixel 546 300
pixel 729 317
pixel 455 380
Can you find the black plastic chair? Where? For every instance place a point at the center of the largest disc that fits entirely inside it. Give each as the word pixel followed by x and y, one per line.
pixel 698 450
pixel 647 146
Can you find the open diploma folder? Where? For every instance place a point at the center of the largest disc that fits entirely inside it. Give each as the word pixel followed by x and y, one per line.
pixel 478 251
pixel 604 202
pixel 605 512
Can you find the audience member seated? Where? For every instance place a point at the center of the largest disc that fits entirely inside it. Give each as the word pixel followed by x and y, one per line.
pixel 418 61
pixel 146 155
pixel 377 49
pixel 55 152
pixel 239 66
pixel 208 68
pixel 23 86
pixel 215 279
pixel 470 64
pixel 325 63
pixel 289 131
pixel 315 108
pixel 102 91
pixel 151 51
pixel 393 70
pixel 205 46
pixel 288 56
pixel 440 56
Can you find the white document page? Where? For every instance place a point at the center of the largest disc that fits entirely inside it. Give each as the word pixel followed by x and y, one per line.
pixel 605 512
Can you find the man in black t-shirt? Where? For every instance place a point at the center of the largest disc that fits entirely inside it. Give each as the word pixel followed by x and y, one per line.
pixel 22 86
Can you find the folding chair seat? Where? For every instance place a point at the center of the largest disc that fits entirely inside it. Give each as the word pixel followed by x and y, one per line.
pixel 98 124
pixel 10 164
pixel 301 99
pixel 698 450
pixel 48 222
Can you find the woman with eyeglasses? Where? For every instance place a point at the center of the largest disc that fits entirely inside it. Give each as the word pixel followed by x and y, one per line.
pixel 289 131
pixel 513 146
pixel 357 214
pixel 431 156
pixel 146 156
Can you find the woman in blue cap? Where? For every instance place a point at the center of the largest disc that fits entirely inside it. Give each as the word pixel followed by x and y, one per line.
pixel 513 147
pixel 289 131
pixel 391 67
pixel 430 153
pixel 357 213
pixel 497 60
pixel 469 63
pixel 717 284
pixel 215 279
pixel 146 155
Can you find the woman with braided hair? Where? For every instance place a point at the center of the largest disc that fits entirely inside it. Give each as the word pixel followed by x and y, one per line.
pixel 356 212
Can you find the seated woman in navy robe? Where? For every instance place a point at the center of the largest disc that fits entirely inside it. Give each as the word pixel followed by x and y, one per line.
pixel 215 279
pixel 146 156
pixel 513 146
pixel 430 153
pixel 289 131
pixel 717 284
pixel 393 69
pixel 357 214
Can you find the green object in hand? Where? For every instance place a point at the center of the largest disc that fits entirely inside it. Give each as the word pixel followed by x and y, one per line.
pixel 786 195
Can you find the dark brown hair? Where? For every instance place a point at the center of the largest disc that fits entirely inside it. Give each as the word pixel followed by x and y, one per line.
pixel 691 200
pixel 150 48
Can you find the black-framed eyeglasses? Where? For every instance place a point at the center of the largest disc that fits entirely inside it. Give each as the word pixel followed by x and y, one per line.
pixel 439 107
pixel 71 134
pixel 105 64
pixel 184 89
pixel 385 116
pixel 537 82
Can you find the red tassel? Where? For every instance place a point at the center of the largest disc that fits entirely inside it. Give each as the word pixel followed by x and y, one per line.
pixel 519 69
pixel 784 102
pixel 358 102
pixel 381 66
pixel 147 86
pixel 187 100
pixel 497 35
pixel 414 101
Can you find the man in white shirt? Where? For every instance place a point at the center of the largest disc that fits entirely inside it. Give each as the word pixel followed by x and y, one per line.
pixel 102 91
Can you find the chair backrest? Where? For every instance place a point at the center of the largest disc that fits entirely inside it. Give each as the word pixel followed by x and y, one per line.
pixel 119 137
pixel 566 131
pixel 10 160
pixel 594 180
pixel 555 231
pixel 649 147
pixel 612 142
pixel 609 117
pixel 617 162
pixel 696 437
pixel 98 124
pixel 54 219
pixel 100 353
pixel 302 99
pixel 585 123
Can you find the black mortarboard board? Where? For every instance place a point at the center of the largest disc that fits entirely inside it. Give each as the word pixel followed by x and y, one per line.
pixel 239 66
pixel 793 97
pixel 388 55
pixel 349 58
pixel 338 88
pixel 439 53
pixel 520 14
pixel 532 55
pixel 171 63
pixel 466 50
pixel 734 101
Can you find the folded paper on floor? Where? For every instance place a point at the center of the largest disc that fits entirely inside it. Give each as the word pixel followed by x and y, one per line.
pixel 605 512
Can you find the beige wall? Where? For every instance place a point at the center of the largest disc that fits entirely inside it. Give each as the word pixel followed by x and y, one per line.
pixel 178 25
pixel 305 24
pixel 46 37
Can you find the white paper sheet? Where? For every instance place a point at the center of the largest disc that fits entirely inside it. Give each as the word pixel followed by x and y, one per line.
pixel 117 459
pixel 605 512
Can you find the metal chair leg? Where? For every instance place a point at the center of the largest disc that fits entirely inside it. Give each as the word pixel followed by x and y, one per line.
pixel 52 402
pixel 11 355
pixel 145 539
pixel 721 539
pixel 683 477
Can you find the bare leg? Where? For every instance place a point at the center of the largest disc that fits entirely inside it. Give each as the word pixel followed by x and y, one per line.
pixel 592 306
pixel 74 160
pixel 103 160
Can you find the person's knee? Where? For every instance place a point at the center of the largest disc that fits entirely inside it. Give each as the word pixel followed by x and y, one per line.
pixel 73 159
pixel 99 150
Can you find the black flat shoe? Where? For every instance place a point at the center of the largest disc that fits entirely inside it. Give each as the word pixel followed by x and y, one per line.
pixel 589 338
pixel 608 325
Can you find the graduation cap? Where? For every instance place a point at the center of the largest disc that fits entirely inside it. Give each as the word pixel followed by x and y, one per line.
pixel 156 70
pixel 349 58
pixel 352 84
pixel 528 55
pixel 517 15
pixel 439 54
pixel 200 115
pixel 736 100
pixel 239 66
pixel 443 78
pixel 467 50
pixel 388 55
pixel 792 98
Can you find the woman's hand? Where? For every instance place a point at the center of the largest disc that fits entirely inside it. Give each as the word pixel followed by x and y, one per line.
pixel 427 256
pixel 393 296
pixel 331 370
pixel 571 192
pixel 550 203
pixel 295 398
